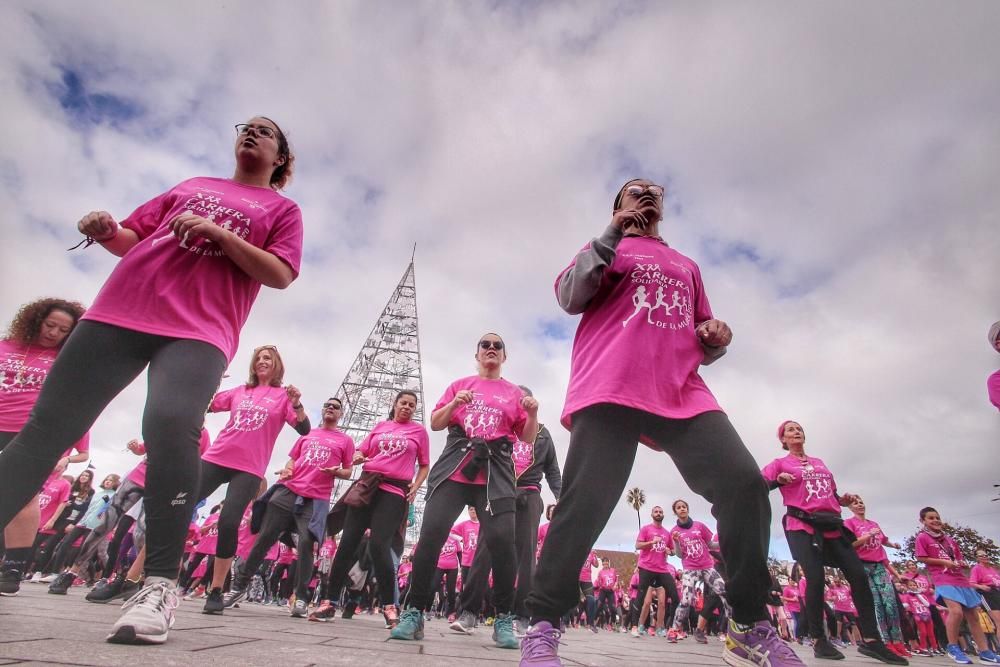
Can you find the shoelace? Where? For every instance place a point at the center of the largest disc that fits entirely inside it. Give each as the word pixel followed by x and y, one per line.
pixel 775 645
pixel 164 598
pixel 505 623
pixel 541 643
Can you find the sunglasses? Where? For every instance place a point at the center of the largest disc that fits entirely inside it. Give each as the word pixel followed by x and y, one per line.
pixel 335 406
pixel 491 344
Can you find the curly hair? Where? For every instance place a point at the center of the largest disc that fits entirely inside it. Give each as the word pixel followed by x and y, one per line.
pixel 282 174
pixel 27 324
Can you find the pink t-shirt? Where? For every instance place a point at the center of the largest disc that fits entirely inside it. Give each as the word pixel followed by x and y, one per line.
pixel 272 553
pixel 812 490
pixel 393 449
pixel 286 554
pixel 993 389
pixel 495 412
pixel 193 535
pixel 543 531
pixel 842 599
pixel 403 575
pixel 189 288
pixel 523 455
pixel 607 578
pixel 329 549
pixel 790 598
pixel 23 369
pixel 918 605
pixel 985 575
pixel 138 474
pixel 944 547
pixel 244 538
pixel 448 560
pixel 870 550
pixel 256 415
pixel 802 588
pixel 643 317
pixel 209 535
pixel 322 448
pixel 586 572
pixel 694 543
pixel 633 586
pixel 654 557
pixel 54 493
pixel 469 532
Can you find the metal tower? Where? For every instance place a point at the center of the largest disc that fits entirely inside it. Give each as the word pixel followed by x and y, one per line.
pixel 388 362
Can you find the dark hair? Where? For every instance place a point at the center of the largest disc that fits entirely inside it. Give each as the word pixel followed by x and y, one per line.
pixel 927 510
pixel 79 490
pixel 282 174
pixel 27 324
pixel 673 507
pixel 490 333
pixel 621 193
pixel 549 511
pixel 404 392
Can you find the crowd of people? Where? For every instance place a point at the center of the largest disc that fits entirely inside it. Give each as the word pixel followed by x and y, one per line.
pixel 633 380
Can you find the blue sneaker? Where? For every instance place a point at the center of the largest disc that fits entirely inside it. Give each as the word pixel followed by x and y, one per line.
pixel 956 653
pixel 988 657
pixel 503 632
pixel 411 625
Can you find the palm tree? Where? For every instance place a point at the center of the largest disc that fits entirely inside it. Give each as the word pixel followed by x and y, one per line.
pixel 636 498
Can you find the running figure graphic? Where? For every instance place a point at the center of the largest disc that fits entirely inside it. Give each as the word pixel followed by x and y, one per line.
pixel 639 299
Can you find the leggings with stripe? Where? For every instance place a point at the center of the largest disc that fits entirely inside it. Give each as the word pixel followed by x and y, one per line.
pixel 886 611
pixel 689 578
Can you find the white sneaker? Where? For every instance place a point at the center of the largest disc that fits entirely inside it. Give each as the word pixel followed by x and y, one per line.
pixel 36 578
pixel 48 579
pixel 148 615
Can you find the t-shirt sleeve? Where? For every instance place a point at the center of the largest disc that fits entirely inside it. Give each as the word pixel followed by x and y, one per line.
pixel 347 453
pixel 771 470
pixel 147 218
pixel 702 309
pixel 641 537
pixel 423 448
pixel 920 548
pixel 64 492
pixel 82 445
pixel 285 239
pixel 296 448
pixel 366 445
pixel 521 419
pixel 290 417
pixel 448 395
pixel 223 401
pixel 706 534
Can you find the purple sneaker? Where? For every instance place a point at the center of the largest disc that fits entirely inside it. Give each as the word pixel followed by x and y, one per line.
pixel 758 646
pixel 540 646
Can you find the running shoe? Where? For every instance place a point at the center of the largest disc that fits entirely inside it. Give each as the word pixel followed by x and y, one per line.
pixel 214 603
pixel 116 589
pixel 636 632
pixel 391 614
pixel 878 650
pixel 324 613
pixel 521 625
pixel 234 595
pixel 349 610
pixel 62 583
pixel 35 578
pixel 825 650
pixel 48 578
pixel 465 623
pixel 593 628
pixel 757 646
pixel 503 632
pixel 148 615
pixel 699 636
pixel 988 657
pixel 540 647
pixel 10 580
pixel 671 635
pixel 663 633
pixel 411 625
pixel 299 609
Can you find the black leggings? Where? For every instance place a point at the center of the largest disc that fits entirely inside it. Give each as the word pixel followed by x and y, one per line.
pixel 383 516
pixel 445 583
pixel 64 552
pixel 838 552
pixel 445 504
pixel 649 578
pixel 606 605
pixel 96 363
pixel 714 463
pixel 243 487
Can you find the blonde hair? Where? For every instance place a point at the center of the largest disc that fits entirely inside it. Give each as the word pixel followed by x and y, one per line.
pixel 279 367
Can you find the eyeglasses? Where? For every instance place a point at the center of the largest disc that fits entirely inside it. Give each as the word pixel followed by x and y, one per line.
pixel 491 344
pixel 335 406
pixel 636 190
pixel 259 130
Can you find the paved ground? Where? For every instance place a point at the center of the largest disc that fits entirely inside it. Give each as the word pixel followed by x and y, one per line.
pixel 37 628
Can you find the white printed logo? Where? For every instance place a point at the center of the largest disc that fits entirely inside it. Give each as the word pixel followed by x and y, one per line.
pixel 819 489
pixel 673 296
pixel 179 499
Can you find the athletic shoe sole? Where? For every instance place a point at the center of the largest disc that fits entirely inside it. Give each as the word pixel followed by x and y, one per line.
pixel 127 635
pixel 458 627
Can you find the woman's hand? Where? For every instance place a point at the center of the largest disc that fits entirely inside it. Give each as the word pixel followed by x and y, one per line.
pixel 714 333
pixel 188 225
pixel 294 395
pixel 98 225
pixel 411 493
pixel 134 447
pixel 785 478
pixel 463 397
pixel 530 405
pixel 629 218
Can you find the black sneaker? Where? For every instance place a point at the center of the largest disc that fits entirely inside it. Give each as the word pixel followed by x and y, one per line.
pixel 349 610
pixel 213 603
pixel 62 583
pixel 824 650
pixel 878 650
pixel 10 581
pixel 118 589
pixel 230 599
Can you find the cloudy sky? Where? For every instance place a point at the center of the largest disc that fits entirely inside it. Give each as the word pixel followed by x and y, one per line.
pixel 832 168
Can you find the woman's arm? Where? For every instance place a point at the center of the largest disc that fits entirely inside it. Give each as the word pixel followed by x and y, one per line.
pixel 417 482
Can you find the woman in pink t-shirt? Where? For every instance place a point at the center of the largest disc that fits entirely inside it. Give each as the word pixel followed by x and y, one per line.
pixel 870 545
pixel 34 338
pixel 816 537
pixel 258 409
pixel 646 329
pixel 952 588
pixel 985 577
pixel 193 261
pixel 485 415
pixel 692 543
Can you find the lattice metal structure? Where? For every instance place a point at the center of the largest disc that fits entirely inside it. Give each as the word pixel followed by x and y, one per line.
pixel 388 362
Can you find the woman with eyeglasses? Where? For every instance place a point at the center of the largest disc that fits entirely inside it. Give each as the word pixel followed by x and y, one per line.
pixel 646 327
pixel 816 537
pixel 239 455
pixel 193 260
pixel 485 415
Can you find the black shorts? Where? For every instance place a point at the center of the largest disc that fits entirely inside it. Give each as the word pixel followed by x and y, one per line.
pixel 846 617
pixel 586 588
pixel 992 598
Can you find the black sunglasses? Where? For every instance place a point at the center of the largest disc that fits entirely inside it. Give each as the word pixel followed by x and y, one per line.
pixel 491 344
pixel 335 406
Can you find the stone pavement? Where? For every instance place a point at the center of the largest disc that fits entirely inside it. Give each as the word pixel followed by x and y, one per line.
pixel 37 628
